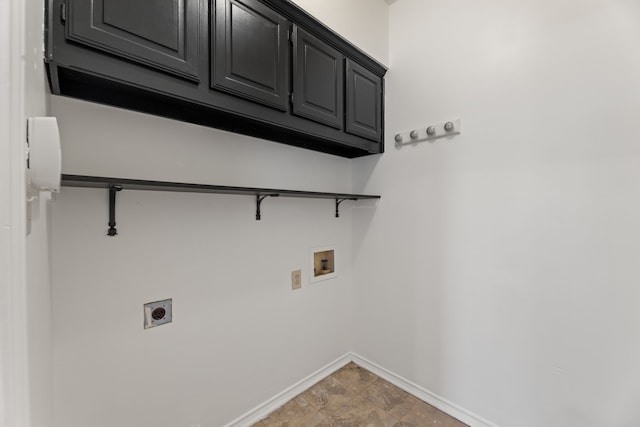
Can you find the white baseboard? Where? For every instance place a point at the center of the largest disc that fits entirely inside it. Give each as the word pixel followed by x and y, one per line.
pixel 432 399
pixel 264 409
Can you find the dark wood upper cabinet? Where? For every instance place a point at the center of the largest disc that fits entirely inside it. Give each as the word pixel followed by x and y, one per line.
pixel 318 79
pixel 364 102
pixel 162 34
pixel 263 68
pixel 250 52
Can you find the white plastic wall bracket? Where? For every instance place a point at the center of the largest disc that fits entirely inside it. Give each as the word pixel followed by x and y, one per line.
pixel 43 154
pixel 44 161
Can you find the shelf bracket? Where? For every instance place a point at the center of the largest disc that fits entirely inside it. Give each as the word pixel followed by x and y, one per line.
pixel 113 189
pixel 338 201
pixel 259 200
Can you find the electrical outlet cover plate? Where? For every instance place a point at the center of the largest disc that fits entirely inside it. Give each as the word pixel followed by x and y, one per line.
pixel 296 279
pixel 158 313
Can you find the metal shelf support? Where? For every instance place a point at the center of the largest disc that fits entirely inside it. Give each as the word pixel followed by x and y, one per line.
pixel 259 200
pixel 338 201
pixel 113 189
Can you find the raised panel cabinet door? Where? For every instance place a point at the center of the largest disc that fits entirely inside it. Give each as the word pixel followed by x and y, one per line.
pixel 318 80
pixel 162 34
pixel 364 102
pixel 250 52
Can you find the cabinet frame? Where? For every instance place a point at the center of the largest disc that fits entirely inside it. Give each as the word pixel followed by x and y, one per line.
pixel 182 61
pixel 84 72
pixel 304 46
pixel 357 77
pixel 222 55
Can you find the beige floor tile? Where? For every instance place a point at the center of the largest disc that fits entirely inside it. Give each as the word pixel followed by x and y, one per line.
pixel 304 403
pixel 328 395
pixel 354 397
pixel 354 377
pixel 390 398
pixel 293 415
pixel 423 414
pixel 360 413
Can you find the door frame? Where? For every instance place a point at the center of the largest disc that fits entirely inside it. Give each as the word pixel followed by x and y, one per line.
pixel 14 374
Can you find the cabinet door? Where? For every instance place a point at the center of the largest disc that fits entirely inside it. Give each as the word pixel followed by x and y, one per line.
pixel 317 80
pixel 250 52
pixel 162 34
pixel 364 102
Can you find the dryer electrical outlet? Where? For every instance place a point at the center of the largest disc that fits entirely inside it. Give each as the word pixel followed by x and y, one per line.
pixel 158 313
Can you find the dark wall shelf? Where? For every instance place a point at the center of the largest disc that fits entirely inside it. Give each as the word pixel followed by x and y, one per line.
pixel 117 184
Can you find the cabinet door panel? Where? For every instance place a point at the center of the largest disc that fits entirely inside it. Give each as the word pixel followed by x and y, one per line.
pixel 250 52
pixel 317 80
pixel 364 102
pixel 162 34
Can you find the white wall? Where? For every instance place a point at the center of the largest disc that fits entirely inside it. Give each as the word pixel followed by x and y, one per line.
pixel 500 269
pixel 240 335
pixel 364 23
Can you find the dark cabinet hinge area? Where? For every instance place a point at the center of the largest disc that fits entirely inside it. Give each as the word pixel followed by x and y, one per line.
pixel 63 12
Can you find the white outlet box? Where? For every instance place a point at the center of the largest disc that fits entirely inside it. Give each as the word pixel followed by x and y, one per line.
pixel 323 263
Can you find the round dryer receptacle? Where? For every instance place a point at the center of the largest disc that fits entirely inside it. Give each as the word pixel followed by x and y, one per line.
pixel 158 313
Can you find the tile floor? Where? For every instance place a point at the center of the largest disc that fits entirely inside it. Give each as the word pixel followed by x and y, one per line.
pixel 354 397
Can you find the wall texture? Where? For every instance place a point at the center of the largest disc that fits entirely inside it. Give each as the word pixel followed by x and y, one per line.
pixel 239 335
pixel 499 270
